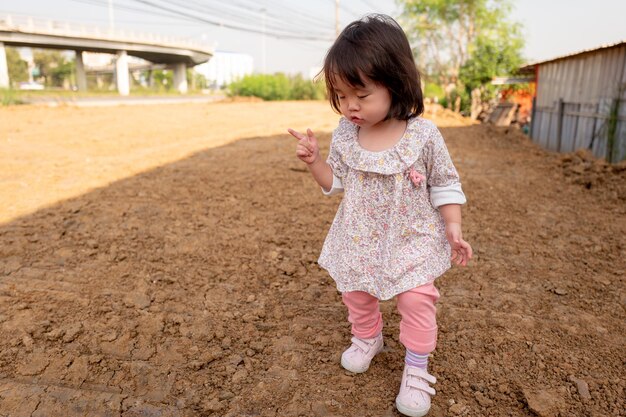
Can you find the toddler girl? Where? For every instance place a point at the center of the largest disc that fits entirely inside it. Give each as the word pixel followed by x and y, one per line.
pixel 399 223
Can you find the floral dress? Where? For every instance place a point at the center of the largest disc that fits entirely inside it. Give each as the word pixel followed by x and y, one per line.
pixel 388 235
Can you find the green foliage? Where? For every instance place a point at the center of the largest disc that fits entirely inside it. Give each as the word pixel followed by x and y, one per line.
pixel 9 97
pixel 265 86
pixel 490 58
pixel 446 34
pixel 302 89
pixel 432 90
pixel 500 56
pixel 53 67
pixel 163 79
pixel 450 102
pixel 277 87
pixel 196 80
pixel 18 68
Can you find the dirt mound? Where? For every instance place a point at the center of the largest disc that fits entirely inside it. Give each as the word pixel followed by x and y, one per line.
pixel 445 117
pixel 581 167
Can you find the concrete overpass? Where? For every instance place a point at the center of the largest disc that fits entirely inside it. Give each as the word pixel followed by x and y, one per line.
pixel 37 33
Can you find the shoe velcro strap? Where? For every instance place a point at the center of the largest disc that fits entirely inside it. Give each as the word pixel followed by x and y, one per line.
pixel 420 385
pixel 420 373
pixel 361 344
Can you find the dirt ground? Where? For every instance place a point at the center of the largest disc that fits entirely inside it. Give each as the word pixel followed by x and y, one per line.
pixel 161 261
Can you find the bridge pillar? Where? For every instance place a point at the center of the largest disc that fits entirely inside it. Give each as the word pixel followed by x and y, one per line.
pixel 180 78
pixel 81 77
pixel 121 73
pixel 4 68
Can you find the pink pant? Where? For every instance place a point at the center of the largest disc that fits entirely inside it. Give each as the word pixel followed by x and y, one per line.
pixel 418 327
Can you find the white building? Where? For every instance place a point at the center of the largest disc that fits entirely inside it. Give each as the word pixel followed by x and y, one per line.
pixel 226 67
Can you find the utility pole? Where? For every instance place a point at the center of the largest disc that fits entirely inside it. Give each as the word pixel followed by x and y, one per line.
pixel 111 20
pixel 264 10
pixel 337 18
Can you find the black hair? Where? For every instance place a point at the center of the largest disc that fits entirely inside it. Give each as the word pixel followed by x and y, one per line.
pixel 376 47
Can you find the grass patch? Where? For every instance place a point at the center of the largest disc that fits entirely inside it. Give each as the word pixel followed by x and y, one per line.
pixel 13 97
pixel 10 97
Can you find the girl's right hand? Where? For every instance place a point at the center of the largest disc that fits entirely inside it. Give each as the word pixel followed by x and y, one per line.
pixel 307 149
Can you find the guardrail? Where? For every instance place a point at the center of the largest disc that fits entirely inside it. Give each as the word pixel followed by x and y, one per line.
pixel 28 24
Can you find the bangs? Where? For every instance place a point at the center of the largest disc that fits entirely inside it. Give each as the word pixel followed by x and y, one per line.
pixel 347 66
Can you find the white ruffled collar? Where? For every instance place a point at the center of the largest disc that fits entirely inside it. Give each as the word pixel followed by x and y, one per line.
pixel 399 158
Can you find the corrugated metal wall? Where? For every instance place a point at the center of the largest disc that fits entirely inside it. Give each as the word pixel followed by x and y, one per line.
pixel 581 103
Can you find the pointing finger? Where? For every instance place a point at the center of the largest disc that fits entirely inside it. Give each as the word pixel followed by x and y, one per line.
pixel 296 134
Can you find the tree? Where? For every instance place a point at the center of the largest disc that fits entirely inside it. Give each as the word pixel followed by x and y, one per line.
pixel 445 34
pixel 18 68
pixel 53 67
pixel 490 59
pixel 164 79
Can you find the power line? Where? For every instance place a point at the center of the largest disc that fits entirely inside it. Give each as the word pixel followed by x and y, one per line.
pixel 239 14
pixel 289 16
pixel 230 25
pixel 266 13
pixel 180 15
pixel 86 19
pixel 103 3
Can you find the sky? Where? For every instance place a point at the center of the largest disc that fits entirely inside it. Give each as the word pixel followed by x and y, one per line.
pixel 298 33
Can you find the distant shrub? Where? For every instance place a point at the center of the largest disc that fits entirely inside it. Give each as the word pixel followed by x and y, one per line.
pixel 9 97
pixel 163 80
pixel 466 101
pixel 277 87
pixel 302 89
pixel 432 90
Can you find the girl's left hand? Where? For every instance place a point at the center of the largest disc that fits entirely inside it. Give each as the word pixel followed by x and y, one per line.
pixel 461 250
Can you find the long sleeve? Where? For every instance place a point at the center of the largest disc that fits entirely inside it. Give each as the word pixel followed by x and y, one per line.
pixel 443 178
pixel 336 188
pixel 336 162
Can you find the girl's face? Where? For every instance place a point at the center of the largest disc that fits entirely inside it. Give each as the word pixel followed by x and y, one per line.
pixel 365 106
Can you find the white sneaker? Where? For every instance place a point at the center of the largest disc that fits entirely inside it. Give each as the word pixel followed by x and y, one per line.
pixel 414 397
pixel 359 355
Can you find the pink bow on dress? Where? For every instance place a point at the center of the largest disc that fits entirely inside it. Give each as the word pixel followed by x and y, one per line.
pixel 416 177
